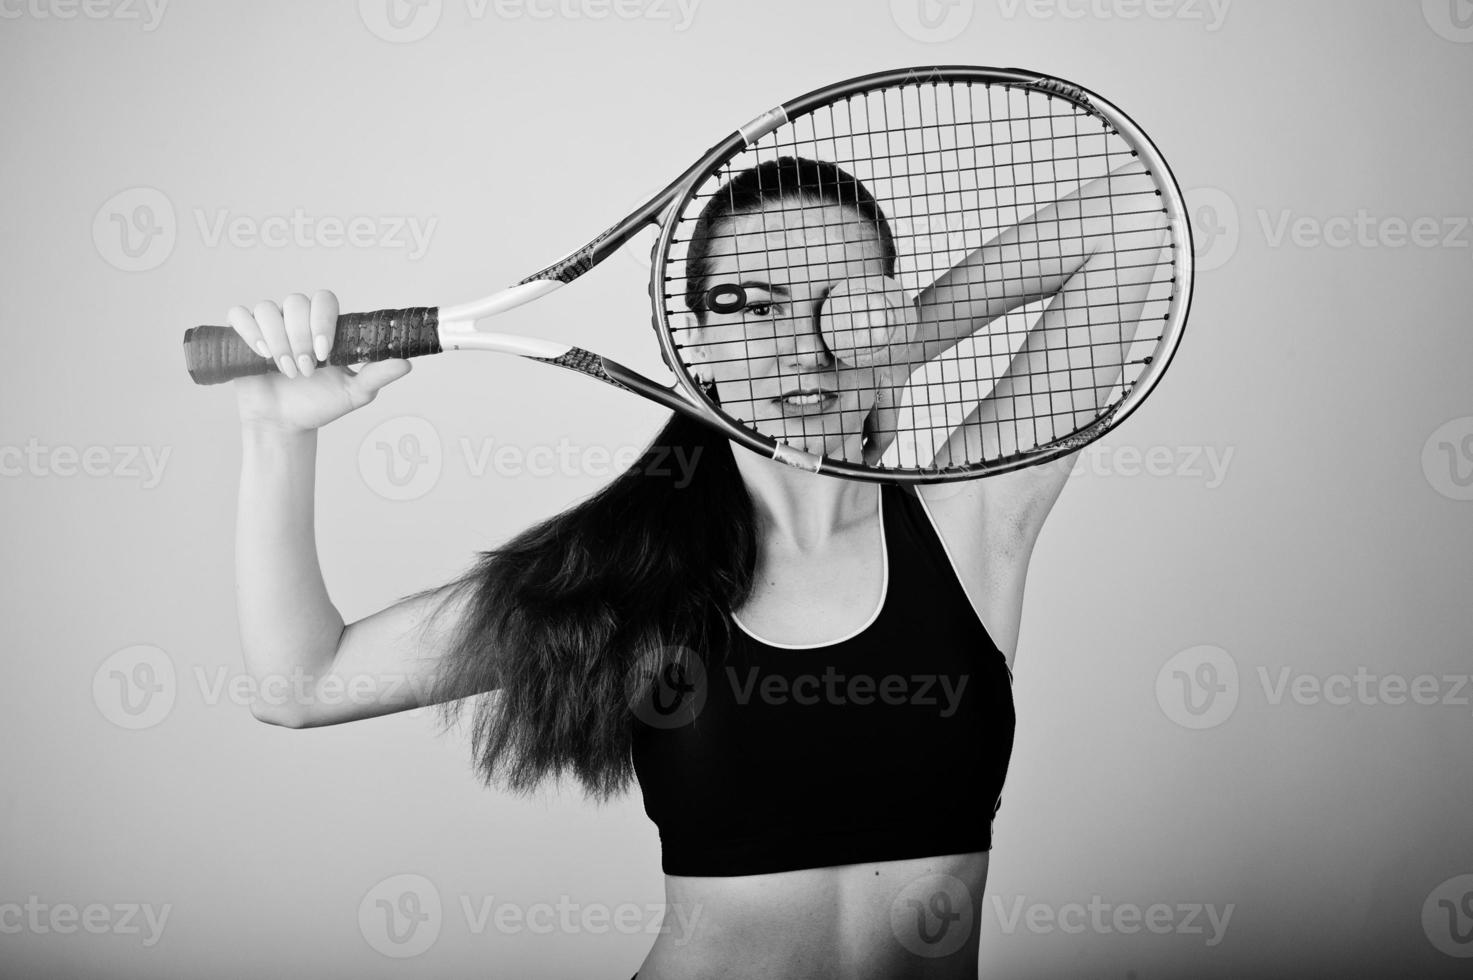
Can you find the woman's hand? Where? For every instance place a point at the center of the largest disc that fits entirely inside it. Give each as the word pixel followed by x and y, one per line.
pixel 296 335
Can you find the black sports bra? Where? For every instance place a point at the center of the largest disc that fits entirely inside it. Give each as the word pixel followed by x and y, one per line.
pixel 890 743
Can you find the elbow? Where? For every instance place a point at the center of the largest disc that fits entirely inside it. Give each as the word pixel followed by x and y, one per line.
pixel 279 715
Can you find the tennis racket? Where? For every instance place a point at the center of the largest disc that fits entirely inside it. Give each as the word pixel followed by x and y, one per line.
pixel 918 275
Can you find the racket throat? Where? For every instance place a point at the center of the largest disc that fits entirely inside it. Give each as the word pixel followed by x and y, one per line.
pixel 461 320
pixel 462 336
pixel 457 329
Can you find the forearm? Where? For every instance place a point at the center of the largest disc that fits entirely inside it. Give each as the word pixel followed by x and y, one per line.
pixel 288 624
pixel 1035 257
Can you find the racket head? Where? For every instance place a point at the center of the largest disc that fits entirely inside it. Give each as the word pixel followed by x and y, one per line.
pixel 903 137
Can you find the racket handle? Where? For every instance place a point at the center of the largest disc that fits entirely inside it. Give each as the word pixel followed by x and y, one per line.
pixel 217 354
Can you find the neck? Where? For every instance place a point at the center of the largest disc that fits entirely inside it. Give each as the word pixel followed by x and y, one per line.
pixel 798 509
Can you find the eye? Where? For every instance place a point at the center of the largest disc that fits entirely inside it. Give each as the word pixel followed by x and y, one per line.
pixel 760 309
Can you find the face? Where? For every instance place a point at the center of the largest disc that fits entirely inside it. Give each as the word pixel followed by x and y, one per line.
pixel 769 360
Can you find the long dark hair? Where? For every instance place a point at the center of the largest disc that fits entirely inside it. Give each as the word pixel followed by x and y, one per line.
pixel 559 620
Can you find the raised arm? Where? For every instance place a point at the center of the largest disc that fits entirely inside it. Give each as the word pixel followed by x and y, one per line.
pixel 1070 360
pixel 1095 252
pixel 309 668
pixel 1073 355
pixel 1035 257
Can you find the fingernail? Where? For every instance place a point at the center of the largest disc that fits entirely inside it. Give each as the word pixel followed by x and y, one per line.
pixel 306 364
pixel 287 367
pixel 262 349
pixel 321 347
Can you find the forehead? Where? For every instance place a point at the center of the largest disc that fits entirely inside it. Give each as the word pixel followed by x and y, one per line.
pixel 796 243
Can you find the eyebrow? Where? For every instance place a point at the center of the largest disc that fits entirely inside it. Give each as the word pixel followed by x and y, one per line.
pixel 767 287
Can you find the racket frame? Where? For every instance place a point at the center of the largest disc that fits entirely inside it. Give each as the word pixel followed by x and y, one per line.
pixel 456 328
pixel 1178 306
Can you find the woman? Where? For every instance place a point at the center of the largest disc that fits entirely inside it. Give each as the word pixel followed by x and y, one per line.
pixel 811 678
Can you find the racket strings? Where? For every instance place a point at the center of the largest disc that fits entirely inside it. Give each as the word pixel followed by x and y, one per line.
pixel 953 169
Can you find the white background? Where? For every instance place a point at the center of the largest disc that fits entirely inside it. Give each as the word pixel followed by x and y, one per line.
pixel 1329 366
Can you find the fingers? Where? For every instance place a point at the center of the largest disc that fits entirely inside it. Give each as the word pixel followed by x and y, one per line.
pixel 295 310
pixel 296 335
pixel 273 328
pixel 323 322
pixel 242 322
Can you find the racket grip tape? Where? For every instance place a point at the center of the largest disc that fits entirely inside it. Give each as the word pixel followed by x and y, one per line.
pixel 217 354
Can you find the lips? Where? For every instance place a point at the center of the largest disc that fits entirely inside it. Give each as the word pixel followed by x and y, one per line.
pixel 804 401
